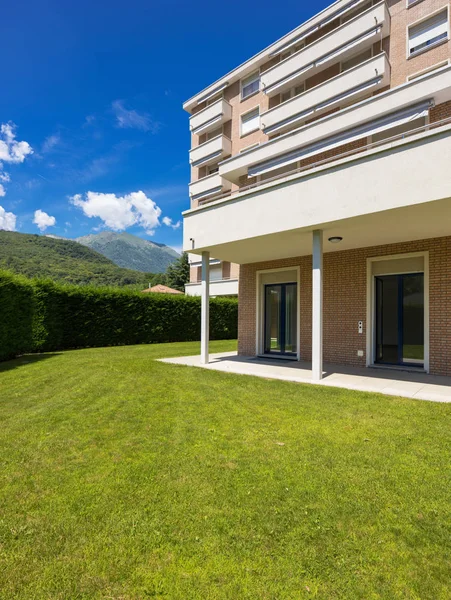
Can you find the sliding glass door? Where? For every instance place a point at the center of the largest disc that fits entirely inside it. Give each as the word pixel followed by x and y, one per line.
pixel 400 319
pixel 281 319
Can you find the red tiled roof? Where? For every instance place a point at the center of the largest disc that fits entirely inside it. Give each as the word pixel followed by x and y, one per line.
pixel 162 289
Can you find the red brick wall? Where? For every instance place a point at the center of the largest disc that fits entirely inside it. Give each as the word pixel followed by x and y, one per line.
pixel 439 112
pixel 396 46
pixel 345 280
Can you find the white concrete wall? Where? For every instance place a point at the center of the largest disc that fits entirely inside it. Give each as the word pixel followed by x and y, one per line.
pixel 404 174
pixel 225 287
pixel 217 144
pixel 210 182
pixel 221 109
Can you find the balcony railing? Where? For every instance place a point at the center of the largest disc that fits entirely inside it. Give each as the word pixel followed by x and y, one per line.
pixel 350 85
pixel 324 162
pixel 211 151
pixel 211 117
pixel 227 286
pixel 197 281
pixel 350 38
pixel 208 186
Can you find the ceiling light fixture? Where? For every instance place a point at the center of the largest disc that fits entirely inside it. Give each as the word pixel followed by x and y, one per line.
pixel 335 239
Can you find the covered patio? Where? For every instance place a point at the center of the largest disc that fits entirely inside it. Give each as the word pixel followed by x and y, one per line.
pixel 343 264
pixel 408 384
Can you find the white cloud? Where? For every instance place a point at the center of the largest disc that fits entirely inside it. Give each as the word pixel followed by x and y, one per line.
pixel 43 220
pixel 7 220
pixel 50 142
pixel 168 221
pixel 120 212
pixel 11 150
pixel 4 178
pixel 89 120
pixel 132 119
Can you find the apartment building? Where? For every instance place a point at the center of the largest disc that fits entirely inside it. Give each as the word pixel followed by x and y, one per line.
pixel 223 277
pixel 321 166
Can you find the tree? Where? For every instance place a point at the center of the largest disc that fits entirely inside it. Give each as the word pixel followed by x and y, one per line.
pixel 177 274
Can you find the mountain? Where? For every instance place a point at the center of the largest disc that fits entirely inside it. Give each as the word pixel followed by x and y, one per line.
pixel 131 252
pixel 62 260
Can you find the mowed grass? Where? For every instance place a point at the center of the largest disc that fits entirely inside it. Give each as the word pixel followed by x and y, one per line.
pixel 126 478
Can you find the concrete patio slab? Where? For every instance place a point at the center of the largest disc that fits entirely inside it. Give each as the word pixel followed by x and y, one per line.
pixel 391 382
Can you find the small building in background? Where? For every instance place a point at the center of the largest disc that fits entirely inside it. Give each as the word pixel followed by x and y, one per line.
pixel 162 289
pixel 223 277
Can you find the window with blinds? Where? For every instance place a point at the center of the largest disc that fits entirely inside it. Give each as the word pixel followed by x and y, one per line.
pixel 250 121
pixel 428 32
pixel 250 85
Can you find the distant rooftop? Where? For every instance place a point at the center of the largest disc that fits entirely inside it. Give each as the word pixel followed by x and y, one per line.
pixel 162 289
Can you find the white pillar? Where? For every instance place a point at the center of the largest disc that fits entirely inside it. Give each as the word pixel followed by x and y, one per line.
pixel 205 308
pixel 317 306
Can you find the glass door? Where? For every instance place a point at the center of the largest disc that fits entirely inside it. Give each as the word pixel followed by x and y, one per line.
pixel 400 319
pixel 281 319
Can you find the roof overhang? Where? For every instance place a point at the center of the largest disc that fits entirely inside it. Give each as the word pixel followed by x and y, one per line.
pixel 321 19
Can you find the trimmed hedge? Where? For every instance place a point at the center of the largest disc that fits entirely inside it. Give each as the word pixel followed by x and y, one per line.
pixel 66 316
pixel 17 310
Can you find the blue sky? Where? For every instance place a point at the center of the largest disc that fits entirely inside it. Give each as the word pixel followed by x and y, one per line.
pixel 93 133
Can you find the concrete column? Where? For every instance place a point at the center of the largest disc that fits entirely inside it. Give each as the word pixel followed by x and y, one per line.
pixel 205 308
pixel 317 306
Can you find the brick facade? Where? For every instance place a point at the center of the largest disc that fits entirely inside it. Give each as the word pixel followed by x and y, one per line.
pixel 345 302
pixel 396 45
pixel 345 272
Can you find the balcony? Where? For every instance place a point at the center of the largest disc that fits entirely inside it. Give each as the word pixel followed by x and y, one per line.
pixel 211 151
pixel 350 85
pixel 211 117
pixel 296 145
pixel 219 287
pixel 350 38
pixel 208 186
pixel 392 191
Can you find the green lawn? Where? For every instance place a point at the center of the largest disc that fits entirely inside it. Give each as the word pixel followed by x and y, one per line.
pixel 125 478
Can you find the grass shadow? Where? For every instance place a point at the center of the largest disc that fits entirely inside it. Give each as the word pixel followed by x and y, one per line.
pixel 25 360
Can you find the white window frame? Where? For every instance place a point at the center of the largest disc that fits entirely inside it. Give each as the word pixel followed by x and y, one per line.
pixel 257 74
pixel 423 20
pixel 253 109
pixel 370 295
pixel 437 67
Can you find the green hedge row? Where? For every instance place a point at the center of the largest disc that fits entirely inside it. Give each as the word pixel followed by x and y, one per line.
pixel 17 315
pixel 48 316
